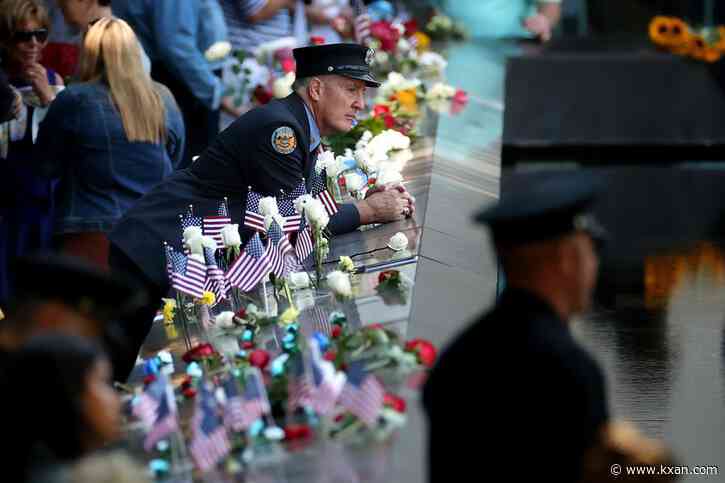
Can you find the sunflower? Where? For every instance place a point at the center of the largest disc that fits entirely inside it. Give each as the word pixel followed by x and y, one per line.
pixel 712 54
pixel 679 33
pixel 697 47
pixel 659 30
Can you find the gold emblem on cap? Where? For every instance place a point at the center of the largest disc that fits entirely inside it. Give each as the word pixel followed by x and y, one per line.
pixel 369 55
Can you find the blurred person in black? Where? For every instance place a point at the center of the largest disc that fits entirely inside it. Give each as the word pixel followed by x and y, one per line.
pixel 540 397
pixel 59 395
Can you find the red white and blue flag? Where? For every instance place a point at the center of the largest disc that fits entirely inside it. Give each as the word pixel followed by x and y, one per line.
pixel 305 244
pixel 318 188
pixel 210 442
pixel 283 258
pixel 362 394
pixel 255 403
pixel 251 266
pixel 287 208
pixel 157 409
pixel 252 218
pixel 216 281
pixel 234 406
pixel 188 274
pixel 213 224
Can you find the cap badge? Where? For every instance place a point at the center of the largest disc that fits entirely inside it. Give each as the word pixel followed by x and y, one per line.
pixel 369 55
pixel 283 140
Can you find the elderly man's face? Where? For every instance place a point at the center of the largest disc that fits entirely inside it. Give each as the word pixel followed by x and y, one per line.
pixel 340 102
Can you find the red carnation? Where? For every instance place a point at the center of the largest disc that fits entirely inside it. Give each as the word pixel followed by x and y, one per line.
pixel 386 34
pixel 460 96
pixel 189 392
pixel 336 331
pixel 317 40
pixel 246 345
pixel 241 313
pixel 259 358
pixel 387 275
pixel 262 95
pixel 395 402
pixel 425 351
pixel 199 352
pixel 288 65
pixel 186 381
pixel 330 356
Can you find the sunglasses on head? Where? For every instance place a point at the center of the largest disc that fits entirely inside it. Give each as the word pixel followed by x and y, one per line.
pixel 41 35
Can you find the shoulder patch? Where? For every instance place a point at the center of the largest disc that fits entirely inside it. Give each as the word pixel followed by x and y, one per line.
pixel 283 140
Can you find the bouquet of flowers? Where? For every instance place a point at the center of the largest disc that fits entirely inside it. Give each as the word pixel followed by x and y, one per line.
pixel 676 36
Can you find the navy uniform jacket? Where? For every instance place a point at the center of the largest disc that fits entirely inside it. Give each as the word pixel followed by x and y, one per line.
pixel 517 384
pixel 241 156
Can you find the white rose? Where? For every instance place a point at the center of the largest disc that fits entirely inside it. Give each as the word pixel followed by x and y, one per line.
pixel 268 206
pixel 339 283
pixel 301 203
pixel 365 161
pixel 230 235
pixel 218 51
pixel 354 181
pixel 299 280
pixel 388 176
pixel 398 242
pixel 208 242
pixel 440 91
pixel 316 214
pixel 225 319
pixel 196 246
pixel 381 58
pixel 325 160
pixel 282 87
pixel 191 232
pixel 400 157
pixel 276 217
pixel 433 61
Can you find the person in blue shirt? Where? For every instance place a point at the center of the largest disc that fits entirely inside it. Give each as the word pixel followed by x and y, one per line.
pixel 175 34
pixel 505 18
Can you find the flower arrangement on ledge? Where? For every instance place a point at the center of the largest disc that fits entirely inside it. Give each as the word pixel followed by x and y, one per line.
pixel 676 36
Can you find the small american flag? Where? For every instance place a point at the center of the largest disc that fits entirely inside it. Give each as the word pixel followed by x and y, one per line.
pixel 287 208
pixel 234 407
pixel 319 191
pixel 305 245
pixel 213 224
pixel 209 443
pixel 252 218
pixel 188 221
pixel 255 402
pixel 189 275
pixel 283 258
pixel 251 266
pixel 362 395
pixel 327 383
pixel 215 280
pixel 157 408
pixel 298 385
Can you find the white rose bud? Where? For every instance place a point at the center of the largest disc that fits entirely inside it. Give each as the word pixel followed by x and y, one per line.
pixel 325 160
pixel 301 203
pixel 316 214
pixel 196 246
pixel 191 232
pixel 225 319
pixel 299 280
pixel 208 242
pixel 398 242
pixel 230 236
pixel 268 206
pixel 218 51
pixel 282 87
pixel 339 283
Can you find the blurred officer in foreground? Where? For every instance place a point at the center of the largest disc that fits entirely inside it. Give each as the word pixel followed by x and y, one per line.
pixel 539 398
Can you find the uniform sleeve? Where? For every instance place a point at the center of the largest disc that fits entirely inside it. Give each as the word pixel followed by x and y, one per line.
pixel 277 160
pixel 345 220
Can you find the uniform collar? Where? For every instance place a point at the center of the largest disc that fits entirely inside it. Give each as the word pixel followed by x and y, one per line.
pixel 315 138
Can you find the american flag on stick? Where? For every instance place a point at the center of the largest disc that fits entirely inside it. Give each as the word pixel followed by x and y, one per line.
pixel 283 258
pixel 254 397
pixel 305 244
pixel 213 224
pixel 327 383
pixel 210 442
pixel 252 265
pixel 362 394
pixel 157 409
pixel 252 218
pixel 188 274
pixel 234 407
pixel 319 190
pixel 287 208
pixel 298 385
pixel 216 281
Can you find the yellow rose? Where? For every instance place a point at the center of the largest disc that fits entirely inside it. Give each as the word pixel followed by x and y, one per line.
pixel 408 99
pixel 289 316
pixel 169 309
pixel 208 298
pixel 422 41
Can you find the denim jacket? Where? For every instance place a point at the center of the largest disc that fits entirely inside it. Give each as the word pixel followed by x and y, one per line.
pixel 101 174
pixel 177 33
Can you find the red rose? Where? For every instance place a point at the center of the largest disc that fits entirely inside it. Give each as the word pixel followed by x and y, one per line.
pixel 387 275
pixel 336 331
pixel 460 96
pixel 389 121
pixel 241 313
pixel 317 40
pixel 425 351
pixel 259 358
pixel 339 417
pixel 394 402
pixel 297 431
pixel 386 34
pixel 149 379
pixel 199 352
pixel 380 109
pixel 288 65
pixel 411 27
pixel 330 356
pixel 246 345
pixel 186 381
pixel 189 392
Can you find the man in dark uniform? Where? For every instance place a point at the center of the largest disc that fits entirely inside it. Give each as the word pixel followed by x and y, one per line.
pixel 269 149
pixel 516 380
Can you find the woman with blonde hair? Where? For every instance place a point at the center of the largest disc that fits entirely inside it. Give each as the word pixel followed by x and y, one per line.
pixel 109 139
